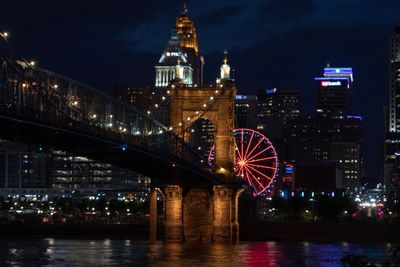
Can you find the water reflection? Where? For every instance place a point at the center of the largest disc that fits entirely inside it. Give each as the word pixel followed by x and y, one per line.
pixel 62 252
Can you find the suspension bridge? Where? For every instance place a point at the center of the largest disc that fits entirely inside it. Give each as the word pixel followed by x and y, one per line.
pixel 38 106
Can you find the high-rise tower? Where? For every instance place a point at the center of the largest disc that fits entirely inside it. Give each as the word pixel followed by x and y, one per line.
pixel 186 31
pixel 188 40
pixel 391 171
pixel 394 82
pixel 333 92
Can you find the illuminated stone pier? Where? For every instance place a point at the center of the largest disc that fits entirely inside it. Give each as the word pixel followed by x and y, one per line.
pixel 173 213
pixel 199 214
pixel 153 216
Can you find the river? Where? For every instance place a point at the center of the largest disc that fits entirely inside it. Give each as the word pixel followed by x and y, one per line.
pixel 106 252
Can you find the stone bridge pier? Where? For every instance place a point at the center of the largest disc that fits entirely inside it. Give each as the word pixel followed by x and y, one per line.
pixel 199 214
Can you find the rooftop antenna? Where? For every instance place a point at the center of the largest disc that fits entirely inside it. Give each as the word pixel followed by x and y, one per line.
pixel 225 57
pixel 185 8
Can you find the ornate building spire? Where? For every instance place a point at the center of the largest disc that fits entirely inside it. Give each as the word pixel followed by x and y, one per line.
pixel 225 57
pixel 179 70
pixel 225 68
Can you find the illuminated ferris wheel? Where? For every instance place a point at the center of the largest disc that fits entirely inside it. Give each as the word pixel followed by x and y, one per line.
pixel 256 159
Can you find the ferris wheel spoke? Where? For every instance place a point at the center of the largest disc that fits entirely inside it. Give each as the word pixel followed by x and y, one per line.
pixel 262 151
pixel 261 159
pixel 248 144
pixel 246 175
pixel 240 155
pixel 210 154
pixel 248 155
pixel 261 166
pixel 260 173
pixel 241 143
pixel 254 178
pixel 240 172
pixel 238 168
pixel 257 189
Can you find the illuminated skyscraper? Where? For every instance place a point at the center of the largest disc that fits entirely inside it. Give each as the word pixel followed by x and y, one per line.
pixel 188 40
pixel 394 82
pixel 186 31
pixel 391 172
pixel 333 92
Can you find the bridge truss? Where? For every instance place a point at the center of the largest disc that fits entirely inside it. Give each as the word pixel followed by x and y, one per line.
pixel 32 93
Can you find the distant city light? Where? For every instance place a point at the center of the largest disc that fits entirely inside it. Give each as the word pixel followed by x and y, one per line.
pixel 270 91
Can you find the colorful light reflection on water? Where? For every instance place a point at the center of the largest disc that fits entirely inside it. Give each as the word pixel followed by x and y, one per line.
pixel 66 252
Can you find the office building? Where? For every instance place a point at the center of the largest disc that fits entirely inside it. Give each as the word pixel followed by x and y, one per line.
pixel 391 166
pixel 318 175
pixel 246 111
pixel 22 166
pixel 69 171
pixel 141 97
pixel 328 139
pixel 279 103
pixel 333 92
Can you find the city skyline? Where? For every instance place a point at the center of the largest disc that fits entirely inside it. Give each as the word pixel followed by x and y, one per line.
pixel 164 132
pixel 291 49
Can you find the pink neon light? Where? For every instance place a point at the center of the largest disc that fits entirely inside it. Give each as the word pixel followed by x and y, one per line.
pixel 325 83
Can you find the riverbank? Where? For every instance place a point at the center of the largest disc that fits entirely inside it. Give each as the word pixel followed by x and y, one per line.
pixel 249 231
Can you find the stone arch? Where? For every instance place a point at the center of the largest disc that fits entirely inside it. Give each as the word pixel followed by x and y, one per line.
pixel 186 106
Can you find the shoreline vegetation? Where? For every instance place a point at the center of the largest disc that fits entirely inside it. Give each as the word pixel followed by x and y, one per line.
pixel 249 231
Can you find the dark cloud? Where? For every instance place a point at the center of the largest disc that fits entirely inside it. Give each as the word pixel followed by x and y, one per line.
pixel 369 4
pixel 47 13
pixel 286 9
pixel 221 15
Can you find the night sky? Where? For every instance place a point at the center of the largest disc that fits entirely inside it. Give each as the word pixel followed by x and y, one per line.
pixel 270 43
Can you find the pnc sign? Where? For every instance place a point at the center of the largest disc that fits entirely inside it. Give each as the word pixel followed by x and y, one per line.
pixel 331 83
pixel 172 54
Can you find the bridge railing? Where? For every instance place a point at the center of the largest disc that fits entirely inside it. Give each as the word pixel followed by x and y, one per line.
pixel 43 96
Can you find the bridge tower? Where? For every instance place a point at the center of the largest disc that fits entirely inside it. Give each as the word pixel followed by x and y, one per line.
pixel 200 213
pixel 214 103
